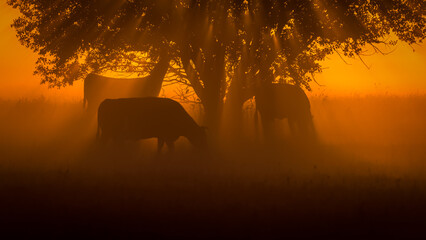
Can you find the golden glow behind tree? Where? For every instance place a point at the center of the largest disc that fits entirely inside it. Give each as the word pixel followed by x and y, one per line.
pixel 225 48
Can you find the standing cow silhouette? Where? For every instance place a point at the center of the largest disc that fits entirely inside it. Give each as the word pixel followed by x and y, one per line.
pixel 97 87
pixel 142 118
pixel 279 101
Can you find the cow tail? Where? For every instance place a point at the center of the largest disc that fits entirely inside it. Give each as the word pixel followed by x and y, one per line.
pixel 98 133
pixel 98 130
pixel 313 131
pixel 256 123
pixel 84 102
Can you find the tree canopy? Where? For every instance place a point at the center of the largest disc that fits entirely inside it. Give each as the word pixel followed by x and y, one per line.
pixel 221 48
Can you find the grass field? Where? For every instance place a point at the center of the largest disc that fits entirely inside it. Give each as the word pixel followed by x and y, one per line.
pixel 365 179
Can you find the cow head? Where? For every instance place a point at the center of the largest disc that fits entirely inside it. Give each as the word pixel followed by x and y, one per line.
pixel 199 138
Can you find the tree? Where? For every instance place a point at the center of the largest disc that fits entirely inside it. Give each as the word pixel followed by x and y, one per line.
pixel 226 49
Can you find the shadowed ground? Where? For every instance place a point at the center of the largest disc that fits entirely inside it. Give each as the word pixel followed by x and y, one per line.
pixel 366 179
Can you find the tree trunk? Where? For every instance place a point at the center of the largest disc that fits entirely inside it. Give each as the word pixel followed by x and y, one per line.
pixel 232 118
pixel 157 74
pixel 213 101
pixel 207 78
pixel 213 76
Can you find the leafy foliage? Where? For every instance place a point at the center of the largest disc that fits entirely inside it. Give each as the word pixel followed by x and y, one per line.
pixel 216 42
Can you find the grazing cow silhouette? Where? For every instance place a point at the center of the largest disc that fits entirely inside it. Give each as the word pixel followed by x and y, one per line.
pixel 279 101
pixel 141 118
pixel 98 88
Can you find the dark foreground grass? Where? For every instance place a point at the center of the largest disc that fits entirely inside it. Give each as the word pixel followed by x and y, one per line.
pixel 55 182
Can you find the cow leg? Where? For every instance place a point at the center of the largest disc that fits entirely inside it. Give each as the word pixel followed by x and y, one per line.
pixel 102 140
pixel 171 145
pixel 310 130
pixel 293 125
pixel 268 133
pixel 160 145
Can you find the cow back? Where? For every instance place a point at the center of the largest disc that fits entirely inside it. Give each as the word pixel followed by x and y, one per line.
pixel 139 118
pixel 282 101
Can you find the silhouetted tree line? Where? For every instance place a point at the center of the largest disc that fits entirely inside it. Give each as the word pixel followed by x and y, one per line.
pixel 223 49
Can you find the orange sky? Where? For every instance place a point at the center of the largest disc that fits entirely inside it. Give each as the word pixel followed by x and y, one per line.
pixel 403 71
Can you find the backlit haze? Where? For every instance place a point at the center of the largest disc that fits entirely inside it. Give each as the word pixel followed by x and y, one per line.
pixel 402 71
pixel 349 162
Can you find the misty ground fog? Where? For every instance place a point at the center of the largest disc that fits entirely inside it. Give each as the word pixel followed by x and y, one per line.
pixel 367 172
